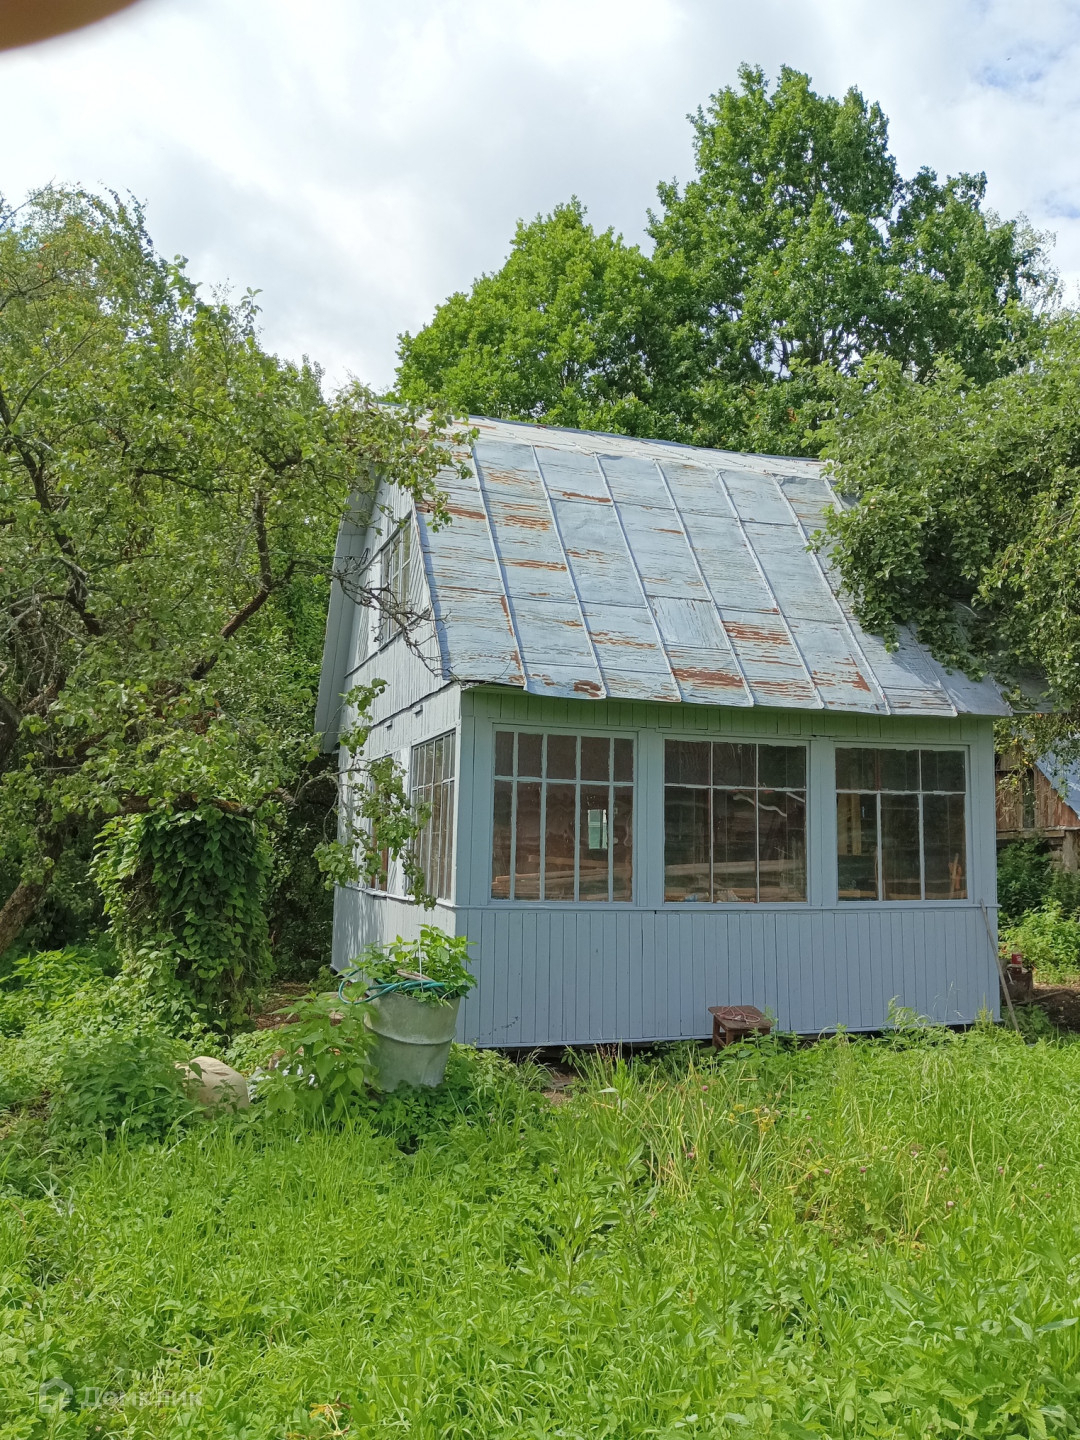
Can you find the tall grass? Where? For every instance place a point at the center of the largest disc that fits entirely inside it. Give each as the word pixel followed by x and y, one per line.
pixel 852 1240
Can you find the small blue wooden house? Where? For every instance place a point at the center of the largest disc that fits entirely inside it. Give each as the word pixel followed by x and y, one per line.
pixel 666 767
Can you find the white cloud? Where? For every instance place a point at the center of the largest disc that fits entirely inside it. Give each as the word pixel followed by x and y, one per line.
pixel 357 162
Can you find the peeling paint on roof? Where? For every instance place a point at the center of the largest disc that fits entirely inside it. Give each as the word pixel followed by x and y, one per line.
pixel 592 565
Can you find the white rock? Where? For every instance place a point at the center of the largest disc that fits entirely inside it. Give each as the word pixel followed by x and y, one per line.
pixel 214 1084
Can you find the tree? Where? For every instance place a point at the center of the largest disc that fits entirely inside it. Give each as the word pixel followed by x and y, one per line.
pixel 169 497
pixel 968 521
pixel 796 251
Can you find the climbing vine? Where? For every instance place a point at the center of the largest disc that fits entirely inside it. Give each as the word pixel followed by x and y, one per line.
pixel 185 893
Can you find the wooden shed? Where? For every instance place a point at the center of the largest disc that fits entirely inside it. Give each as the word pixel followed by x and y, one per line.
pixel 1040 802
pixel 667 768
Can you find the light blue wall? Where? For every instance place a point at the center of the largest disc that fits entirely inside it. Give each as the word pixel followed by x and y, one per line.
pixel 552 974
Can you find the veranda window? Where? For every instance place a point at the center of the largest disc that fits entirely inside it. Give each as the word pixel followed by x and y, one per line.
pixel 900 824
pixel 734 822
pixel 394 573
pixel 433 785
pixel 564 817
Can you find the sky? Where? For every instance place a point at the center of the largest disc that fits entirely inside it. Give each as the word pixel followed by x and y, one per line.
pixel 357 162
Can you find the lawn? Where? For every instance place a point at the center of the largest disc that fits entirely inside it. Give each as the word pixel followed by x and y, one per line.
pixel 856 1239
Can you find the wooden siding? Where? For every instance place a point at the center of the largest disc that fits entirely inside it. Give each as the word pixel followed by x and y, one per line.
pixel 552 974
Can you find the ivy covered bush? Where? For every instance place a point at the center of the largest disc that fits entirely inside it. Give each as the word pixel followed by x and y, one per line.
pixel 185 895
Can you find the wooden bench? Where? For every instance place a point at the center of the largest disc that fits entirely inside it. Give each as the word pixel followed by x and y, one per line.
pixel 735 1022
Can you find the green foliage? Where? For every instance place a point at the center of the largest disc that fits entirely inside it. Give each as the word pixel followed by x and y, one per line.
pixel 1048 940
pixel 185 893
pixel 847 1240
pixel 968 518
pixel 123 1082
pixel 1024 878
pixel 434 955
pixel 169 497
pixel 795 251
pixel 324 1072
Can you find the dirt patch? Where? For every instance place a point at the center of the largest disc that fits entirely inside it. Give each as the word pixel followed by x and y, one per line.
pixel 1061 1004
pixel 282 996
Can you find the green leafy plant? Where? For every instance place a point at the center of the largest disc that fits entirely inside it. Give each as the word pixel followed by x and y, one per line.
pixel 123 1081
pixel 184 893
pixel 1024 878
pixel 324 1071
pixel 1048 940
pixel 434 956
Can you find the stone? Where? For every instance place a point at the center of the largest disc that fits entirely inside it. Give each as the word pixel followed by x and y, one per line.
pixel 214 1084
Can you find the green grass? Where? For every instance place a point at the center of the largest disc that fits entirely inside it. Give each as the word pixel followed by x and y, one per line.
pixel 854 1240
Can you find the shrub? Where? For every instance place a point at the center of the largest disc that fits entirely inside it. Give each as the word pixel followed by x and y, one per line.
pixel 1024 878
pixel 185 895
pixel 324 1071
pixel 1048 940
pixel 123 1082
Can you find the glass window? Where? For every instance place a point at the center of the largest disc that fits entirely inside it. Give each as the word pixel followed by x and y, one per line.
pixel 394 577
pixel 432 778
pixel 734 822
pixel 563 817
pixel 900 824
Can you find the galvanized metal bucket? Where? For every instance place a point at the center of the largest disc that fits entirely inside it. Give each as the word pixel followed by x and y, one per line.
pixel 412 1039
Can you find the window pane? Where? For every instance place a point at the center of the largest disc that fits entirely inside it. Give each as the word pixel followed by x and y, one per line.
pixel 900 876
pixel 899 769
pixel 856 770
pixel 686 762
pixel 686 844
pixel 856 845
pixel 504 752
pixel 624 760
pixel 562 757
pixel 782 767
pixel 734 845
pixel 945 847
pixel 782 846
pixel 595 758
pixel 622 841
pixel 594 843
pixel 733 764
pixel 529 748
pixel 559 843
pixel 943 769
pixel 527 851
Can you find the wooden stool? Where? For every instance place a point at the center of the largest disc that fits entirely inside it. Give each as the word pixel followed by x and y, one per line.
pixel 735 1022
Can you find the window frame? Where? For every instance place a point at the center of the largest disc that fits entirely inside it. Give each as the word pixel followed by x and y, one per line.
pixel 386 628
pixel 449 829
pixel 542 729
pixel 962 749
pixel 807 792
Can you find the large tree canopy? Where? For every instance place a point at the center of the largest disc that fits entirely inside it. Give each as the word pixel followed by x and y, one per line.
pixel 797 250
pixel 169 496
pixel 968 521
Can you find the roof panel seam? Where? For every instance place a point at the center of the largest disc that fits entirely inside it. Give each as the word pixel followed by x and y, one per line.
pixel 852 636
pixel 701 576
pixel 570 572
pixel 772 593
pixel 499 568
pixel 637 576
pixel 438 623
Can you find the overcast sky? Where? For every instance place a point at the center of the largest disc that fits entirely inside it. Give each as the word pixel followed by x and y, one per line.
pixel 357 162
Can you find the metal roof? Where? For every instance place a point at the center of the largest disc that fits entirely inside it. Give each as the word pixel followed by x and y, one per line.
pixel 1064 776
pixel 597 566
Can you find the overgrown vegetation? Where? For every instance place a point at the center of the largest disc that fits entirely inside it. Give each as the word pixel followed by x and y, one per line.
pixel 857 1239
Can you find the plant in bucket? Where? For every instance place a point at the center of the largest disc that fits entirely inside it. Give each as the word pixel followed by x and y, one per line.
pixel 411 991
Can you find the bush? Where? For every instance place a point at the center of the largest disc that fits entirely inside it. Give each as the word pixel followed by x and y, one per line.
pixel 1024 878
pixel 1049 941
pixel 324 1071
pixel 123 1082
